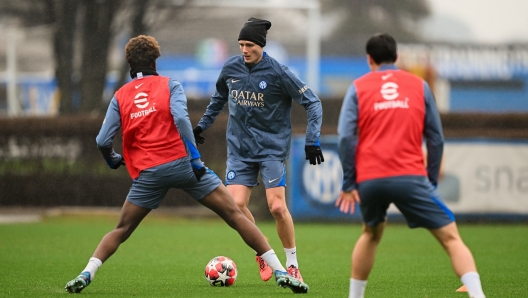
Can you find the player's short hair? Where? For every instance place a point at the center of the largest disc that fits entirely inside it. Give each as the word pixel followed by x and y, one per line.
pixel 142 51
pixel 381 48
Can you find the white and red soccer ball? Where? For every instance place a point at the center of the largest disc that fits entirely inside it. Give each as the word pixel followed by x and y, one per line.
pixel 221 272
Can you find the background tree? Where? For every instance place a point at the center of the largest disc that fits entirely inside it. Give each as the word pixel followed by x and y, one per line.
pixel 64 23
pixel 359 19
pixel 96 36
pixel 145 16
pixel 83 33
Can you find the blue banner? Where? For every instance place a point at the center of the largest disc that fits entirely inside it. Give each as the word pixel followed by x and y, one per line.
pixel 314 189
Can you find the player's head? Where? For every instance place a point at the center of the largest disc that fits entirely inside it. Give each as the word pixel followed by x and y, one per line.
pixel 142 51
pixel 382 48
pixel 252 39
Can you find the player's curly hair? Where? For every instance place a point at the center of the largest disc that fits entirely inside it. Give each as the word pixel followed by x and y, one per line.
pixel 142 51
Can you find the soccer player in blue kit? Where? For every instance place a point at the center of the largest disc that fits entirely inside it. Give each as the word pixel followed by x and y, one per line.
pixel 259 92
pixel 383 118
pixel 160 153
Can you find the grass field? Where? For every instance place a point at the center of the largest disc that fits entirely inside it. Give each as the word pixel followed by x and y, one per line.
pixel 166 257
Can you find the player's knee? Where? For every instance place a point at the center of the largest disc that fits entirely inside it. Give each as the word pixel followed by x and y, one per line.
pixel 278 209
pixel 374 234
pixel 241 204
pixel 123 233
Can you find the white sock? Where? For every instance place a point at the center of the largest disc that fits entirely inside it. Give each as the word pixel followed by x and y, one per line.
pixel 472 282
pixel 92 266
pixel 291 257
pixel 271 258
pixel 357 288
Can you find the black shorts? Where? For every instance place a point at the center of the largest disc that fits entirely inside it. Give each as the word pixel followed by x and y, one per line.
pixel 414 196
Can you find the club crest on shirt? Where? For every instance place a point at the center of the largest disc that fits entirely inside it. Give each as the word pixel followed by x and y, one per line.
pixel 231 175
pixel 263 85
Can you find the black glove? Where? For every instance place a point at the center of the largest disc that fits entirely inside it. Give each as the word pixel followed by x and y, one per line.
pixel 119 163
pixel 197 137
pixel 199 172
pixel 314 154
pixel 113 160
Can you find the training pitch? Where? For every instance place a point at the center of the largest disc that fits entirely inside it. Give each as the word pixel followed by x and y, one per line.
pixel 166 257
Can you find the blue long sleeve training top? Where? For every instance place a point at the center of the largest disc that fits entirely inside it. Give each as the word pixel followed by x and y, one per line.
pixel 259 100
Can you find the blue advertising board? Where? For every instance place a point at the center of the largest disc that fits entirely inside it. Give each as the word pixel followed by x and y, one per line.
pixel 313 190
pixel 474 173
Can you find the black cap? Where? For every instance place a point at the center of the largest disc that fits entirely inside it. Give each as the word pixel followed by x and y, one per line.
pixel 255 31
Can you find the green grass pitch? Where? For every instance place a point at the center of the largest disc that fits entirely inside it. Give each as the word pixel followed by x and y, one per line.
pixel 166 257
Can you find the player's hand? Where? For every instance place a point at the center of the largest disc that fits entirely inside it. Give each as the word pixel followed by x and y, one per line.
pixel 120 162
pixel 314 154
pixel 197 137
pixel 347 201
pixel 199 172
pixel 198 168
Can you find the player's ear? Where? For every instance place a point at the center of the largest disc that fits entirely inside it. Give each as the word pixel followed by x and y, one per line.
pixel 370 62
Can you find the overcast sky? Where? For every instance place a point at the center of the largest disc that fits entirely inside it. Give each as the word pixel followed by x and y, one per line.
pixel 478 21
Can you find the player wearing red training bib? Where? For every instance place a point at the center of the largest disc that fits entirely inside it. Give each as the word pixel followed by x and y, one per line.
pixel 391 115
pixel 385 116
pixel 148 140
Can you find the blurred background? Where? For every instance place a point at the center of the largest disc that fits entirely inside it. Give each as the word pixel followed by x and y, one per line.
pixel 61 61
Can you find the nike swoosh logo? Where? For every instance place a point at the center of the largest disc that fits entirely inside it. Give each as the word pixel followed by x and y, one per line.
pixel 234 81
pixel 139 85
pixel 270 181
pixel 386 76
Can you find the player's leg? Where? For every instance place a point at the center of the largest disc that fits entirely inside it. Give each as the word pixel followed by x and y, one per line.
pixel 129 219
pixel 240 179
pixel 363 257
pixel 375 199
pixel 241 195
pixel 146 194
pixel 285 229
pixel 131 216
pixel 279 210
pixel 220 201
pixel 423 207
pixel 364 251
pixel 273 175
pixel 461 258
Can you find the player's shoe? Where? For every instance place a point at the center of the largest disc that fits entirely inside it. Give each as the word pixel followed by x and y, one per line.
pixel 294 271
pixel 285 280
pixel 77 284
pixel 462 289
pixel 265 269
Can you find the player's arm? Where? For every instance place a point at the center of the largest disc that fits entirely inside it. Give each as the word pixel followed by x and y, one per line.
pixel 217 103
pixel 178 108
pixel 303 95
pixel 347 130
pixel 106 135
pixel 434 138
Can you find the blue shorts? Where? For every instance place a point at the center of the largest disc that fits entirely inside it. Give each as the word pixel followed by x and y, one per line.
pixel 149 189
pixel 273 173
pixel 414 196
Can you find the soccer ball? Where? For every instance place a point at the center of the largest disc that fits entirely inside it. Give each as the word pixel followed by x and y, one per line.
pixel 221 272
